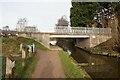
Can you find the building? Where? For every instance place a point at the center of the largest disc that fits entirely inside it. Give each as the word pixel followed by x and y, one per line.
pixel 30 29
pixel 9 33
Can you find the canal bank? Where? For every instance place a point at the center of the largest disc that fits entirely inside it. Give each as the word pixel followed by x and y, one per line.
pixel 71 69
pixel 97 66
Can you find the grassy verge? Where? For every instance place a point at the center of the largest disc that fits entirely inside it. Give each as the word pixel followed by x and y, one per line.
pixel 27 70
pixel 70 68
pixel 11 46
pixel 3 67
pixel 31 41
pixel 30 66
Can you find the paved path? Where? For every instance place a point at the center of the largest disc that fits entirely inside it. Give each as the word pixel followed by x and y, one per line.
pixel 48 66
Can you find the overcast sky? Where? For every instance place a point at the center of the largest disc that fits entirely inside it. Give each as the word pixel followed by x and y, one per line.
pixel 43 13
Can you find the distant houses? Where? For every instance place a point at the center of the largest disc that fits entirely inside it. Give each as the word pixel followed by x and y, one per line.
pixel 7 32
pixel 21 27
pixel 27 29
pixel 30 29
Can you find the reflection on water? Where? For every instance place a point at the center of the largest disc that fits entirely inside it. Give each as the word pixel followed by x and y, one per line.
pixel 103 67
pixel 98 66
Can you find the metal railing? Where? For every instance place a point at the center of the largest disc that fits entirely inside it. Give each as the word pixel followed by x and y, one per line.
pixel 82 30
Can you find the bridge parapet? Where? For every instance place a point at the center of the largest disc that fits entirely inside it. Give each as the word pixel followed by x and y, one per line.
pixel 82 30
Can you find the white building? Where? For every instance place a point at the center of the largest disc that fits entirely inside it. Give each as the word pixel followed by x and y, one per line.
pixel 30 29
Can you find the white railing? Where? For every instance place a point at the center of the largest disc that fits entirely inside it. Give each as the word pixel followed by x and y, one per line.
pixel 82 30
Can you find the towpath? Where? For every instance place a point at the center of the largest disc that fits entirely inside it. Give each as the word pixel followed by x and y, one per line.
pixel 49 65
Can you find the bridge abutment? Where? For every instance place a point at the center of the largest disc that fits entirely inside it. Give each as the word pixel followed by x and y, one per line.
pixel 92 41
pixel 44 38
pixel 83 43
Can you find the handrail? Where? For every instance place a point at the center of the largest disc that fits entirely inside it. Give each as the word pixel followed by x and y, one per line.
pixel 82 30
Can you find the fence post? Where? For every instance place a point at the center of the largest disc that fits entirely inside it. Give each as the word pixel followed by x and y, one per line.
pixel 9 66
pixel 23 57
pixel 33 48
pixel 21 47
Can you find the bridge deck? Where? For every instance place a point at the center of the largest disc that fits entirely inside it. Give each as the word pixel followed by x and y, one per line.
pixel 69 36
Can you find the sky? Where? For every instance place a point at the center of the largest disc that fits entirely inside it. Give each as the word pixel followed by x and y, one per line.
pixel 43 13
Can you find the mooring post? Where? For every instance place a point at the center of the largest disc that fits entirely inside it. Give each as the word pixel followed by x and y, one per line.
pixel 21 47
pixel 33 47
pixel 23 57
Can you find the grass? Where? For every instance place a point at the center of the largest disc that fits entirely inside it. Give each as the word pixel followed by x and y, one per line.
pixel 31 41
pixel 10 46
pixel 71 70
pixel 18 69
pixel 30 66
pixel 3 66
pixel 27 70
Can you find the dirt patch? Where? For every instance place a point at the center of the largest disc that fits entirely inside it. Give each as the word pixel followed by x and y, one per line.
pixel 48 66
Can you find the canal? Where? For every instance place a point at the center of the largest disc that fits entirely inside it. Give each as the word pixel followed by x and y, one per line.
pixel 97 66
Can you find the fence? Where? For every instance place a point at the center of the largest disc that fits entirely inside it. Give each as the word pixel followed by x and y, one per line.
pixel 82 30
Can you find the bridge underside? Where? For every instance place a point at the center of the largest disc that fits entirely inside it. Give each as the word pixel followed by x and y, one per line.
pixel 69 36
pixel 84 41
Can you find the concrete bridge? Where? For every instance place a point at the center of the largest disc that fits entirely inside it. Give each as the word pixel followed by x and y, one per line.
pixel 85 37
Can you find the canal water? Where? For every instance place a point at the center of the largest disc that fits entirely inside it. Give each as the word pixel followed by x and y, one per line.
pixel 97 66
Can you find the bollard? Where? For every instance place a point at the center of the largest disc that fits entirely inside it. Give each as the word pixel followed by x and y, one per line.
pixel 23 54
pixel 21 47
pixel 33 47
pixel 23 57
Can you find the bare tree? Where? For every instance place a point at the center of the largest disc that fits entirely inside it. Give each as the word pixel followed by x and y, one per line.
pixel 22 22
pixel 62 21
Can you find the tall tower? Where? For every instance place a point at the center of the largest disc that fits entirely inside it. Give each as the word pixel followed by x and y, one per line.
pixel 22 22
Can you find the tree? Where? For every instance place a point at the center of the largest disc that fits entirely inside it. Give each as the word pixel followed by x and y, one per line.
pixel 22 22
pixel 6 28
pixel 117 40
pixel 62 21
pixel 82 13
